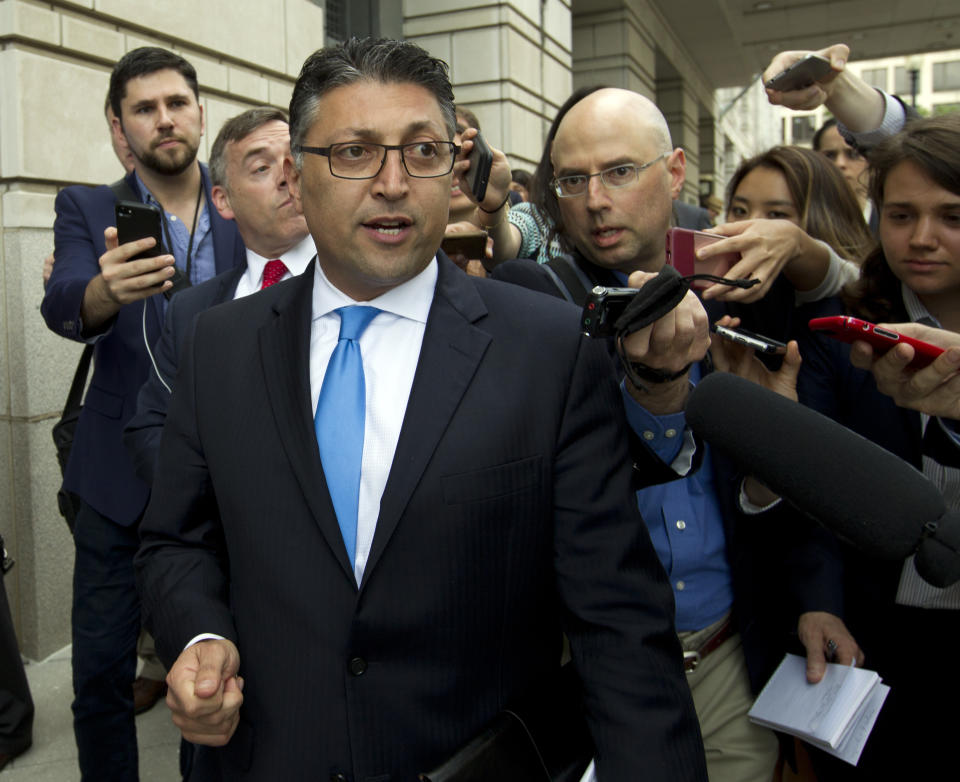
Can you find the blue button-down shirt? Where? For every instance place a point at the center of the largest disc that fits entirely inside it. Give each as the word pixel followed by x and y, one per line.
pixel 203 265
pixel 684 519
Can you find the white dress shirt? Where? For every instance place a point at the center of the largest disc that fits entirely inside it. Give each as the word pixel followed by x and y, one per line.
pixel 296 259
pixel 390 348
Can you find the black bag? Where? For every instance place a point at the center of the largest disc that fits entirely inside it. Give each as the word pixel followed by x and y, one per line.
pixel 543 737
pixel 64 430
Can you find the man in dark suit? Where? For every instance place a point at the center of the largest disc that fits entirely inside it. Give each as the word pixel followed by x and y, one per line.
pixel 362 627
pixel 250 188
pixel 97 294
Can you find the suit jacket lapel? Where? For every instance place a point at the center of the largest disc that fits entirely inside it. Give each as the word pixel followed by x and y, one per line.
pixel 452 349
pixel 228 284
pixel 285 356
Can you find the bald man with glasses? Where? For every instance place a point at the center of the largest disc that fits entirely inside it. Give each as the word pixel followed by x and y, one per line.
pixel 616 174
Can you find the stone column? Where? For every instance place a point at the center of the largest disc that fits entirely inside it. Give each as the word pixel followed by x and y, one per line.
pixel 509 62
pixel 682 112
pixel 613 46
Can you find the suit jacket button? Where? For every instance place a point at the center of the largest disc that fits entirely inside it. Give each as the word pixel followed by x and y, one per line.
pixel 338 778
pixel 358 666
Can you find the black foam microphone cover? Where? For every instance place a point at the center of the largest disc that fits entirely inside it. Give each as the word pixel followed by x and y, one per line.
pixel 938 557
pixel 862 493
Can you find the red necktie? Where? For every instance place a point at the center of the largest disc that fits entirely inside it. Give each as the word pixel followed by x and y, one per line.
pixel 272 273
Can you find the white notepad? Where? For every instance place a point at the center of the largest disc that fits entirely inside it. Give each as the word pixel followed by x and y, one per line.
pixel 837 714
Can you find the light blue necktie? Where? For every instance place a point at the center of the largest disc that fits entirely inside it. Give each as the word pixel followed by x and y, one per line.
pixel 339 421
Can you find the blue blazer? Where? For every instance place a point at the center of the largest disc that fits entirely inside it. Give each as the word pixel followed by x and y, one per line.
pixel 99 470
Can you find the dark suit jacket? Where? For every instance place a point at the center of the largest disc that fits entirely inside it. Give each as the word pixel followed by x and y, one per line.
pixel 689 216
pixel 142 432
pixel 100 470
pixel 756 544
pixel 507 515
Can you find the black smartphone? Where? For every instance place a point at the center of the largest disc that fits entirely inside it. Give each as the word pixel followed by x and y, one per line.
pixel 471 245
pixel 138 221
pixel 481 159
pixel 751 339
pixel 801 74
pixel 602 308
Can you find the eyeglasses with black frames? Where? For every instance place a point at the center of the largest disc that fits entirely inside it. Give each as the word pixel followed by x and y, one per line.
pixel 364 159
pixel 622 175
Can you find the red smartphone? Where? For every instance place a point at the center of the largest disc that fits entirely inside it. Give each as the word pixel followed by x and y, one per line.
pixel 682 244
pixel 848 329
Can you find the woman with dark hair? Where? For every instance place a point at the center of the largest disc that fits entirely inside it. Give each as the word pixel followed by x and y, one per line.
pixel 847 159
pixel 789 211
pixel 820 201
pixel 886 609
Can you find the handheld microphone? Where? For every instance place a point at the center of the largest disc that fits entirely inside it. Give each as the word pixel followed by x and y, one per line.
pixel 865 495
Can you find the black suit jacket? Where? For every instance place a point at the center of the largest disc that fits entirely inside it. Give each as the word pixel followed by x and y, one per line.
pixel 142 432
pixel 507 516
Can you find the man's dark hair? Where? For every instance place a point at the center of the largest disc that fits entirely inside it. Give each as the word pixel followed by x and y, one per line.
pixel 932 147
pixel 521 177
pixel 143 61
pixel 359 59
pixel 236 129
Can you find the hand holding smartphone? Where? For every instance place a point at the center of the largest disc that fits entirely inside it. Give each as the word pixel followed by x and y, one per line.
pixel 801 74
pixel 751 339
pixel 849 329
pixel 481 161
pixel 136 220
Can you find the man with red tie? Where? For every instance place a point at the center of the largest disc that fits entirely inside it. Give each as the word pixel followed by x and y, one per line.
pixel 246 168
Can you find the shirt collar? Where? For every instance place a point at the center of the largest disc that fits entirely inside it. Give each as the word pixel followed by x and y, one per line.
pixel 296 259
pixel 411 299
pixel 915 309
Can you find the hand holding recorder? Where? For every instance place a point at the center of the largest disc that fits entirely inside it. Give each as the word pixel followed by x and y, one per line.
pixel 734 350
